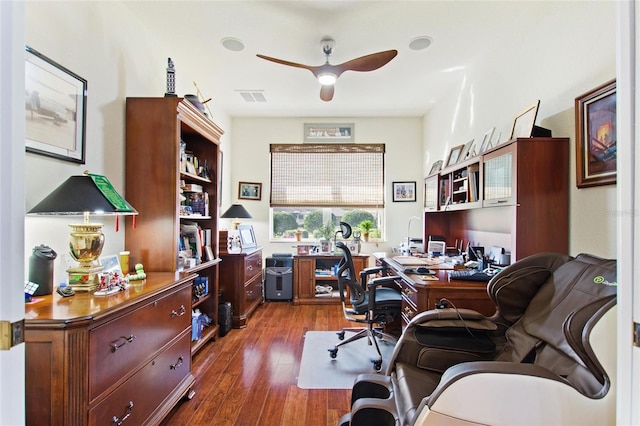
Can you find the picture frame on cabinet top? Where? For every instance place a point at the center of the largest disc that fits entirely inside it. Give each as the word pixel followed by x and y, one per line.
pixel 435 167
pixel 454 155
pixel 487 142
pixel 524 122
pixel 466 151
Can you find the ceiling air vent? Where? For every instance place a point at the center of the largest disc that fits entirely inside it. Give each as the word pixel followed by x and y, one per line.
pixel 252 95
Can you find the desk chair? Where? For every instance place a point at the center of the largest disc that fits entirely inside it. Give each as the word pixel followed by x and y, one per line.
pixel 373 301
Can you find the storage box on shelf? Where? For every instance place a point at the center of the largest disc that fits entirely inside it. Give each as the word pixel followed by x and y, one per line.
pixel 172 153
pixel 522 199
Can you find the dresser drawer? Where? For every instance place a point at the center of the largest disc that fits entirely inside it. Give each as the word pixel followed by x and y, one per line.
pixel 119 346
pixel 253 290
pixel 252 266
pixel 137 398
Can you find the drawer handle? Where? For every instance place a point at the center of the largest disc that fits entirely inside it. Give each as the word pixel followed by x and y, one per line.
pixel 250 268
pixel 127 413
pixel 176 314
pixel 115 346
pixel 408 292
pixel 408 312
pixel 177 364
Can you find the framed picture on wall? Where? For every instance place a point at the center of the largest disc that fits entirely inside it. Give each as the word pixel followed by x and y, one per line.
pixel 249 191
pixel 596 150
pixel 404 191
pixel 55 109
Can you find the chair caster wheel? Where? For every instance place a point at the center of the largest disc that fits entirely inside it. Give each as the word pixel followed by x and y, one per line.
pixel 377 365
pixel 340 335
pixel 333 353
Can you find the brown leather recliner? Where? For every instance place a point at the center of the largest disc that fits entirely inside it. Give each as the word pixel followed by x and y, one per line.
pixel 546 357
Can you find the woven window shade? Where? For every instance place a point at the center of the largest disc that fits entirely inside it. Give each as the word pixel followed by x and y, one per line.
pixel 337 175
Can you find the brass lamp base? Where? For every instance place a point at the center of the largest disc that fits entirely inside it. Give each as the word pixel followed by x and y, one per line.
pixel 84 278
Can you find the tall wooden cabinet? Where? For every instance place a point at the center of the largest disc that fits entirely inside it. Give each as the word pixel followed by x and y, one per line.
pixel 155 130
pixel 514 196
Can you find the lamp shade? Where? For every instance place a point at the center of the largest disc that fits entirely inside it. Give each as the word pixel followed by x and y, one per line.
pixel 236 211
pixel 86 194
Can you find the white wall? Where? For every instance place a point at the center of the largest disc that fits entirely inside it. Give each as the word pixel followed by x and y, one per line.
pixel 103 43
pixel 250 163
pixel 561 60
pixel 572 52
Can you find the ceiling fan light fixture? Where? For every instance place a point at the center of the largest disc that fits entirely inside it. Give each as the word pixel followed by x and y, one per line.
pixel 327 79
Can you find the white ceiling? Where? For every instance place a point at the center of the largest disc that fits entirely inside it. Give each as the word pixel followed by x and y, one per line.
pixel 462 32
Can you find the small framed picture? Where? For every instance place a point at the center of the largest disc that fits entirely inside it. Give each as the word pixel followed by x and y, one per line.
pixel 404 191
pixel 487 142
pixel 523 123
pixel 302 249
pixel 436 167
pixel 467 151
pixel 111 264
pixel 454 155
pixel 332 132
pixel 249 191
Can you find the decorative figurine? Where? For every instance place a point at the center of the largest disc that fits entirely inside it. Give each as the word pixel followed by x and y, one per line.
pixel 171 79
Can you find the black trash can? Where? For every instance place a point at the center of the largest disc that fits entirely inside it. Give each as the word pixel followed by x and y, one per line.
pixel 278 282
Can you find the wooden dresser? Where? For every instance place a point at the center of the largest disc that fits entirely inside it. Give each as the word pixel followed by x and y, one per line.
pixel 241 283
pixel 118 359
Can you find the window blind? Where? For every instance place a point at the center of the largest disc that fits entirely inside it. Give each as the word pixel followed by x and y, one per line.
pixel 339 175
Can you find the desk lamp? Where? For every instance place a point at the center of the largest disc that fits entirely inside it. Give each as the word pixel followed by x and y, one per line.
pixel 235 212
pixel 85 195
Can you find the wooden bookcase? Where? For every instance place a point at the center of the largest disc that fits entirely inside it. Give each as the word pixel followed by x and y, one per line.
pixel 155 128
pixel 522 199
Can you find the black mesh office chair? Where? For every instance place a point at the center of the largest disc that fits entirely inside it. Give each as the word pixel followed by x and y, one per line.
pixel 373 302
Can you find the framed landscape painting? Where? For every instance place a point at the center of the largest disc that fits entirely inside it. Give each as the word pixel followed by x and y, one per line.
pixel 596 141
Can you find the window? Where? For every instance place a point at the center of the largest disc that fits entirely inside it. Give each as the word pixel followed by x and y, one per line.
pixel 313 184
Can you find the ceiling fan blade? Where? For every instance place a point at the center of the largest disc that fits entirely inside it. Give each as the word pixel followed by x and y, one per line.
pixel 367 63
pixel 326 92
pixel 288 63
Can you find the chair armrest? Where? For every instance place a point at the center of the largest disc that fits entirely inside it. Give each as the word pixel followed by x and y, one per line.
pixel 514 393
pixel 370 271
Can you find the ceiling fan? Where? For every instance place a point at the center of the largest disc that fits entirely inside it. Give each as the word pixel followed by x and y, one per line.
pixel 327 74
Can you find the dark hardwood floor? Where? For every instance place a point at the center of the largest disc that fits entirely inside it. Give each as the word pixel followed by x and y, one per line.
pixel 249 376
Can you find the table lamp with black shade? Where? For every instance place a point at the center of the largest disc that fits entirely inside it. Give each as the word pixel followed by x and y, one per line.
pixel 235 212
pixel 85 195
pixel 227 242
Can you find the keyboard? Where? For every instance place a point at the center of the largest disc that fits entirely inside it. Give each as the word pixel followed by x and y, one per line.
pixel 470 275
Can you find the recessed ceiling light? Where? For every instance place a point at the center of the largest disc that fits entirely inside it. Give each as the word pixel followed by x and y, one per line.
pixel 232 44
pixel 420 43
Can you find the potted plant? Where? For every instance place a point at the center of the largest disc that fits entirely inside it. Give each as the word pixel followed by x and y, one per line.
pixel 326 233
pixel 365 226
pixel 298 234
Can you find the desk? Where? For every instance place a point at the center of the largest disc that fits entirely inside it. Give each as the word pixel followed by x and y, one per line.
pixel 420 295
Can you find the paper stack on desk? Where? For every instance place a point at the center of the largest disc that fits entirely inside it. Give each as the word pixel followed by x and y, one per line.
pixel 410 261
